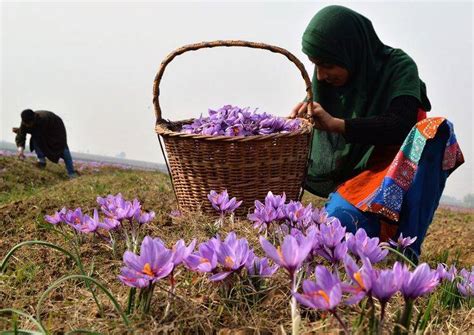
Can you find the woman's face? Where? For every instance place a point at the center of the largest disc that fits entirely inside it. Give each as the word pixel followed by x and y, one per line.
pixel 332 74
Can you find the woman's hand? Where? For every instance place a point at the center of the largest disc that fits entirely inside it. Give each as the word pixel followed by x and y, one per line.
pixel 322 119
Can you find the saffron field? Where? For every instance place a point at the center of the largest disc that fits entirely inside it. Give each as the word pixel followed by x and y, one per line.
pixel 95 272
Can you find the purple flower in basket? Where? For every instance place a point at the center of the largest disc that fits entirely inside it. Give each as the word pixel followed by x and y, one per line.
pixel 361 245
pixel 234 121
pixel 222 203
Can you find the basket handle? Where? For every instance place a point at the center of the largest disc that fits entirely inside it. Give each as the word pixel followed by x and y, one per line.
pixel 225 43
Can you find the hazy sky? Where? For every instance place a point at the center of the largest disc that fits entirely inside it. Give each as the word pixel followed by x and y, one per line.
pixel 94 65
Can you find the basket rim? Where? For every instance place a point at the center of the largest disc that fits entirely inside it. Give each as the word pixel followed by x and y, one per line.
pixel 162 128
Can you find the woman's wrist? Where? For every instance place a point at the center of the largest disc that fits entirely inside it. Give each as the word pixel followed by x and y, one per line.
pixel 339 126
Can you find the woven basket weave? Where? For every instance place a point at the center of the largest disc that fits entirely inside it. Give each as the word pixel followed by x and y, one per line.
pixel 248 167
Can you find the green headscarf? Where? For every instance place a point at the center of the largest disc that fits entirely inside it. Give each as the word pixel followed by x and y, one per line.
pixel 377 74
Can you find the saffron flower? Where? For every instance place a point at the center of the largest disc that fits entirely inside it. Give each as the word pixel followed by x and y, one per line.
pixel 387 282
pixel 325 293
pixel 181 251
pixel 446 274
pixel 329 244
pixel 260 267
pixel 421 281
pixel 235 121
pixel 361 279
pixel 232 254
pixel 402 242
pixel 153 263
pixel 268 212
pixel 204 260
pixel 144 217
pixel 57 217
pixel 291 254
pixel 222 203
pixel 320 216
pixel 361 245
pixel 466 284
pixel 297 215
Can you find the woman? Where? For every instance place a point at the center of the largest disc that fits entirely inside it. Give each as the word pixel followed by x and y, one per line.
pixel 367 99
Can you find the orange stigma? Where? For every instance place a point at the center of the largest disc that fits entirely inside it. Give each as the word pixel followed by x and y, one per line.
pixel 358 279
pixel 204 260
pixel 229 262
pixel 279 252
pixel 324 295
pixel 147 270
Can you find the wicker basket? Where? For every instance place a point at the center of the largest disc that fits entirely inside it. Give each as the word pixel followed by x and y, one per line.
pixel 248 167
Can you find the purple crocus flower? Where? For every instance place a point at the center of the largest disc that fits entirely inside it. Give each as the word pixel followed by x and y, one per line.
pixel 222 203
pixel 153 263
pixel 204 260
pixel 87 224
pixel 276 202
pixel 176 213
pixel 466 284
pixel 387 282
pixel 181 251
pixel 57 217
pixel 446 274
pixel 259 267
pixel 109 224
pixel 329 244
pixel 325 293
pixel 421 281
pixel 298 215
pixel 402 242
pixel 263 216
pixel 361 245
pixel 320 216
pixel 73 217
pixel 144 217
pixel 234 121
pixel 292 252
pixel 232 255
pixel 361 279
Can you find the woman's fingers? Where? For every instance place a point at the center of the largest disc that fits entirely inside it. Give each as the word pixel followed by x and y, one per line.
pixel 296 111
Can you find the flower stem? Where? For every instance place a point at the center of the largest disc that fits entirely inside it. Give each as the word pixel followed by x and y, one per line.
pixel 131 300
pixel 344 326
pixel 295 316
pixel 405 318
pixel 382 315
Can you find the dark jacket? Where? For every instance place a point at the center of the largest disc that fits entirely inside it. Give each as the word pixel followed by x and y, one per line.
pixel 48 133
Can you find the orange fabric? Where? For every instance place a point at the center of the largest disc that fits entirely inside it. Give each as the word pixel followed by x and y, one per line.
pixel 364 184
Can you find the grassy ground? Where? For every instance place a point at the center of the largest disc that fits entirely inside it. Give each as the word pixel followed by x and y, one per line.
pixel 27 194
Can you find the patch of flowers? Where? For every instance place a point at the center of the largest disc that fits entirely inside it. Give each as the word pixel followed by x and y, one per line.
pixel 235 121
pixel 335 268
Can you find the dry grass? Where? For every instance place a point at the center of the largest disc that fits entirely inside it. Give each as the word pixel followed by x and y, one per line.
pixel 198 305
